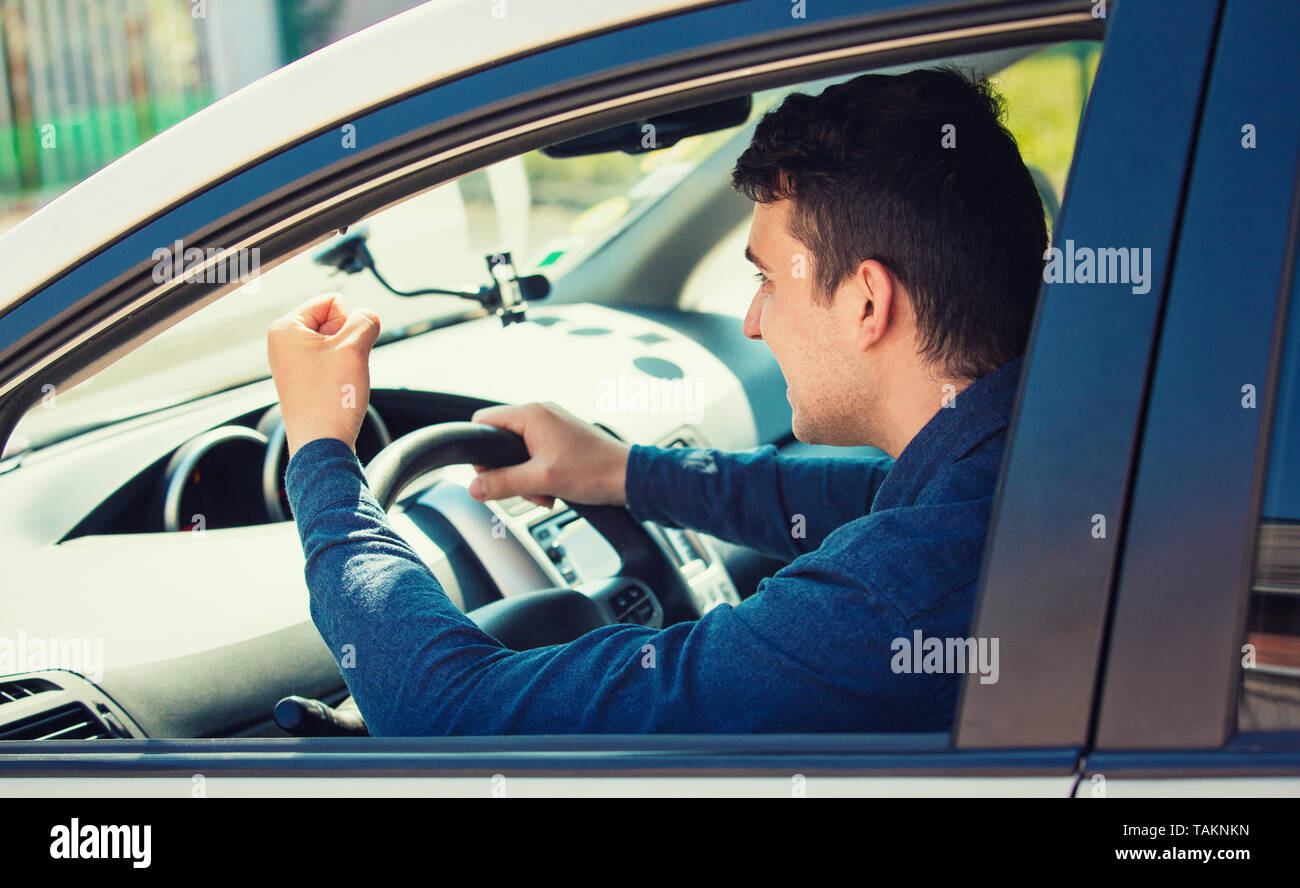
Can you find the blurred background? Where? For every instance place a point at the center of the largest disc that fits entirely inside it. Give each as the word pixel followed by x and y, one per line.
pixel 84 81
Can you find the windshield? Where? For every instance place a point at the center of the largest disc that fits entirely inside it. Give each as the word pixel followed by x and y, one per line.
pixel 548 213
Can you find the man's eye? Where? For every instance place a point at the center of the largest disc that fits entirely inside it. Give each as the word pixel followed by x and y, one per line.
pixel 761 278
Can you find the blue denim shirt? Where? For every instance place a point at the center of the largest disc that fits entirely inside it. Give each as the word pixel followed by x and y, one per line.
pixel 880 553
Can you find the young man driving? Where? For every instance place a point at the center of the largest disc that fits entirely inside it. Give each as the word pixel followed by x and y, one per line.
pixel 922 234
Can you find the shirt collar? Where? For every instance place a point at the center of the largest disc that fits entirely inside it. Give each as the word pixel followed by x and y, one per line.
pixel 981 410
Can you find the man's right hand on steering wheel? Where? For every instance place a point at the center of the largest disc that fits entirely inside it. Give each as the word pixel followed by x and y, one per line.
pixel 568 458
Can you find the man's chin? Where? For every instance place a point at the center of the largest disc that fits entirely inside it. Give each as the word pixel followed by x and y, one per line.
pixel 803 431
pixel 812 432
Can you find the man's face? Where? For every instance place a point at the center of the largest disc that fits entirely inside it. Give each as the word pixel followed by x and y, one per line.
pixel 812 343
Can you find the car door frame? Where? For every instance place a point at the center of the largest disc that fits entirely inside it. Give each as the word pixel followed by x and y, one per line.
pixel 1058 521
pixel 1167 714
pixel 86 305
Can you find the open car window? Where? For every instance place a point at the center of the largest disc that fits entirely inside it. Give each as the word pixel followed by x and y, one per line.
pixel 548 213
pixel 553 215
pixel 1044 90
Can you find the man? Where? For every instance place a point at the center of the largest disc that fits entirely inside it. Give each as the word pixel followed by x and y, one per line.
pixel 921 233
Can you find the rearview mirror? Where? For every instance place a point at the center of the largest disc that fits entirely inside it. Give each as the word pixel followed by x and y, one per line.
pixel 660 131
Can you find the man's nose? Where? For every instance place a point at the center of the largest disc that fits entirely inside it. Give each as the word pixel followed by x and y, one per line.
pixel 751 326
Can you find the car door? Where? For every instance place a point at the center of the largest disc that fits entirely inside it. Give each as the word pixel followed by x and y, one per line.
pixel 1047 579
pixel 1201 680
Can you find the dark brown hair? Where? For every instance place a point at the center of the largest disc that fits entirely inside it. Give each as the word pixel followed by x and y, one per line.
pixel 918 172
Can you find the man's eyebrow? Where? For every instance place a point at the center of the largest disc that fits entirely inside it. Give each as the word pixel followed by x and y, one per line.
pixel 749 254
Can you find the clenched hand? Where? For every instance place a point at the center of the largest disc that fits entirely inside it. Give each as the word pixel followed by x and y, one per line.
pixel 320 361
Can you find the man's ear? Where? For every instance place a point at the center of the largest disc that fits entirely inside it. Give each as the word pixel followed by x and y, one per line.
pixel 874 301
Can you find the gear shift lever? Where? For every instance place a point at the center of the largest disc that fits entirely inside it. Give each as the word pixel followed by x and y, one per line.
pixel 303 717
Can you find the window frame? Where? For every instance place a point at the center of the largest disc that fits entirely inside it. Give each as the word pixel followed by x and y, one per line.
pixel 414 156
pixel 1170 710
pixel 1072 448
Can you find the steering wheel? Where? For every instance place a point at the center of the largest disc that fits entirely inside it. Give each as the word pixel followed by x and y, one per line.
pixel 548 616
pixel 535 619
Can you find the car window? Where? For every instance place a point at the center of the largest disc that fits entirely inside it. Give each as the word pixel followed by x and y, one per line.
pixel 1044 95
pixel 549 213
pixel 1270 652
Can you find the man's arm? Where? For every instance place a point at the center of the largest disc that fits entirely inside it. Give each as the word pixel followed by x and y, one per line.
pixel 782 505
pixel 421 667
pixel 417 665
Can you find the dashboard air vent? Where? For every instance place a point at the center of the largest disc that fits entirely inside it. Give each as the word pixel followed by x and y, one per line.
pixel 71 722
pixel 27 687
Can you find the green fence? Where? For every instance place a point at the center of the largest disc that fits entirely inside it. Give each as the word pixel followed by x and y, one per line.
pixel 84 81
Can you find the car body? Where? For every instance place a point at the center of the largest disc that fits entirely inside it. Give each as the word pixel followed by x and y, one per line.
pixel 1122 554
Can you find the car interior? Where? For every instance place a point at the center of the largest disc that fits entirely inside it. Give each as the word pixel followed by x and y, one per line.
pixel 154 567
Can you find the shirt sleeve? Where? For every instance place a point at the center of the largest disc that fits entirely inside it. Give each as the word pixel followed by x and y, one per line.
pixel 417 666
pixel 782 505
